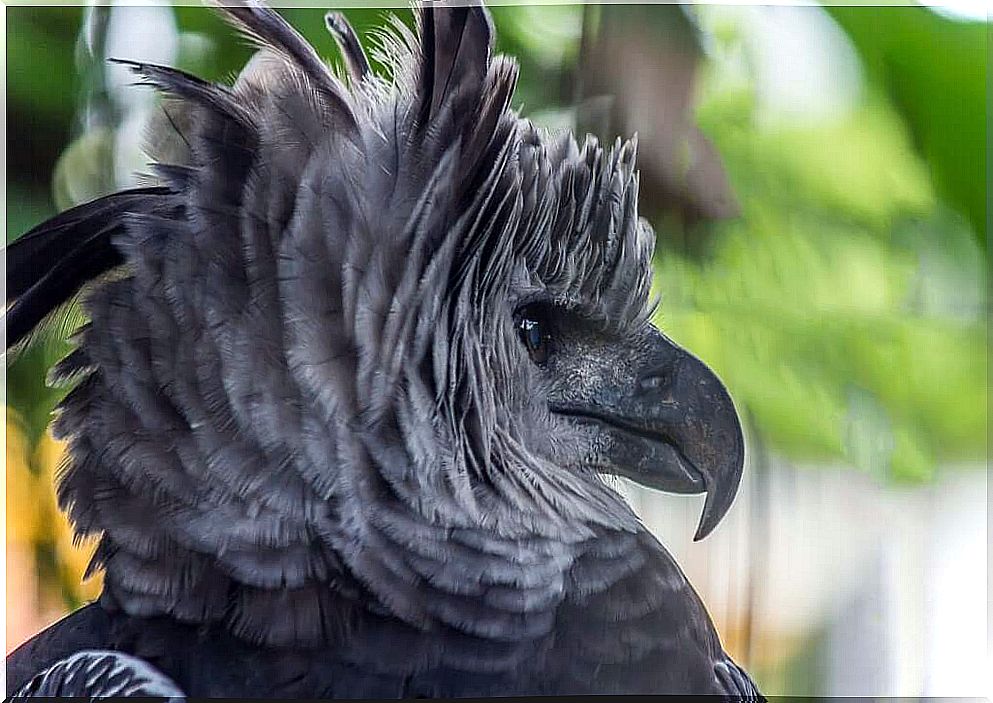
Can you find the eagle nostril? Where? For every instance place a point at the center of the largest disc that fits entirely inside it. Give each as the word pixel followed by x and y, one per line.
pixel 659 378
pixel 653 382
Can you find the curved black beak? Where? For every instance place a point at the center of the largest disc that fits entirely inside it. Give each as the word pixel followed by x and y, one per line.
pixel 677 430
pixel 686 404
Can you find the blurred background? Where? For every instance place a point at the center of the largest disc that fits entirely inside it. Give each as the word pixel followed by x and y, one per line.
pixel 817 180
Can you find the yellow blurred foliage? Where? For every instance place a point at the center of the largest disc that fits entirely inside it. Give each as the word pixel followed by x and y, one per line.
pixel 23 518
pixel 34 520
pixel 72 557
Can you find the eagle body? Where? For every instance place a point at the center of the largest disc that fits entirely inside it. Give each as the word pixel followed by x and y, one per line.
pixel 625 640
pixel 355 365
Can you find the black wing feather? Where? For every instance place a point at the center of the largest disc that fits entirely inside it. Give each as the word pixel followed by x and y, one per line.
pixel 100 674
pixel 47 266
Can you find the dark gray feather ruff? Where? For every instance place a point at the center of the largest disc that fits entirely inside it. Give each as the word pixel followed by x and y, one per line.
pixel 288 395
pixel 297 419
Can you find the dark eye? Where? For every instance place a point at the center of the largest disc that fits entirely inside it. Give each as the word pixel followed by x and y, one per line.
pixel 533 329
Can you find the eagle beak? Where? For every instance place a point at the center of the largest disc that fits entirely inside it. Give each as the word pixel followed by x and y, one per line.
pixel 676 431
pixel 682 403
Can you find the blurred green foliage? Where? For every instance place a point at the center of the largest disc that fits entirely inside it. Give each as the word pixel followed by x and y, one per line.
pixel 42 37
pixel 845 307
pixel 934 70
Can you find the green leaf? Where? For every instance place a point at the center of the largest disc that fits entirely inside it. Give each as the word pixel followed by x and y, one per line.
pixel 934 70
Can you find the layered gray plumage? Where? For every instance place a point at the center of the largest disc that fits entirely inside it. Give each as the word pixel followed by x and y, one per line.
pixel 371 344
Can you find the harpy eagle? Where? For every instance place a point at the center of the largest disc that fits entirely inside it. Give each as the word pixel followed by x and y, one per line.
pixel 340 414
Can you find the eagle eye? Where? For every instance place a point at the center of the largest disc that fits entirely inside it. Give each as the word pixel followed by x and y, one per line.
pixel 534 332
